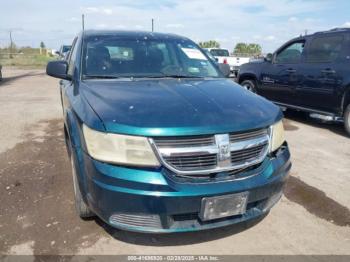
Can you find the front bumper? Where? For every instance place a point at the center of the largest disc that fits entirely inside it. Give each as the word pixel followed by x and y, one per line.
pixel 157 201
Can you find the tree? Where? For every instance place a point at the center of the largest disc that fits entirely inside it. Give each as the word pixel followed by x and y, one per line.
pixel 254 49
pixel 209 44
pixel 240 48
pixel 249 49
pixel 42 45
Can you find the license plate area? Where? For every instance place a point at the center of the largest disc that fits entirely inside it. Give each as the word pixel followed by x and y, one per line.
pixel 223 206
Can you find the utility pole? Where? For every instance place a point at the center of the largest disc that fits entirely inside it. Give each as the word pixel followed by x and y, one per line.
pixel 152 25
pixel 83 21
pixel 11 43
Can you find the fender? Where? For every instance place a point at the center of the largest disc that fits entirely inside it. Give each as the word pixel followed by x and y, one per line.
pixel 78 111
pixel 76 139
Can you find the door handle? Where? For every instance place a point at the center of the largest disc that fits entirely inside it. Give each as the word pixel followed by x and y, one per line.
pixel 291 70
pixel 328 71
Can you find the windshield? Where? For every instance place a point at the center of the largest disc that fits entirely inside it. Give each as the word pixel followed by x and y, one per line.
pixel 219 52
pixel 106 56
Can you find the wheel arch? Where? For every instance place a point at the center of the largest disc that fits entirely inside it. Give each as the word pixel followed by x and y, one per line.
pixel 345 99
pixel 247 76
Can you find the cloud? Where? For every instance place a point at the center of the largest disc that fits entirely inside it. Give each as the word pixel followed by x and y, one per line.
pixel 174 25
pixel 292 19
pixel 270 38
pixel 253 8
pixel 97 10
pixel 346 24
pixel 101 26
pixel 74 19
pixel 268 23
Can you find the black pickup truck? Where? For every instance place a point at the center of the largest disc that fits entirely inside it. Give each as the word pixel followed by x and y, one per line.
pixel 309 73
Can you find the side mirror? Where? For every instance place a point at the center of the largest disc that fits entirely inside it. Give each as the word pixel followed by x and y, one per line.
pixel 269 57
pixel 58 69
pixel 216 59
pixel 225 69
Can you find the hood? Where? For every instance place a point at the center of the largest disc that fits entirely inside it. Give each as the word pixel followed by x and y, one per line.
pixel 177 107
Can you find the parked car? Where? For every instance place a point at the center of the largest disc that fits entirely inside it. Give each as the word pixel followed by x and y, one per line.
pixel 309 73
pixel 0 72
pixel 64 50
pixel 225 68
pixel 160 141
pixel 223 56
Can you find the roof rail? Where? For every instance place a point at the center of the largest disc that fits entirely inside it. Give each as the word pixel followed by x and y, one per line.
pixel 340 29
pixel 337 29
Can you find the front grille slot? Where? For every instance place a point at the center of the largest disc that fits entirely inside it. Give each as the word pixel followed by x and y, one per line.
pixel 184 217
pixel 247 154
pixel 189 141
pixel 193 162
pixel 235 137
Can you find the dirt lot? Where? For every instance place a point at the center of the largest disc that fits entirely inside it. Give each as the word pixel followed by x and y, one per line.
pixel 36 201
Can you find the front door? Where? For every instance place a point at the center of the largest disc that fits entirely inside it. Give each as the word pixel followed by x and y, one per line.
pixel 322 78
pixel 280 77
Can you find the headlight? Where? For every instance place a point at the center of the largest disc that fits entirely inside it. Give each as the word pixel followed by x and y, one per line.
pixel 277 136
pixel 119 149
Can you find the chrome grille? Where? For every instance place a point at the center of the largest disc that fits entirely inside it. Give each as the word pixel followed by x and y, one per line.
pixel 200 155
pixel 206 161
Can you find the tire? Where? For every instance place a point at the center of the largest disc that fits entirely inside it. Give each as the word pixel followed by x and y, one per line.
pixel 81 207
pixel 250 85
pixel 347 120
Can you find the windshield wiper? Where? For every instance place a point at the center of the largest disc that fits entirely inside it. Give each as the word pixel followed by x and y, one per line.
pixel 101 76
pixel 172 76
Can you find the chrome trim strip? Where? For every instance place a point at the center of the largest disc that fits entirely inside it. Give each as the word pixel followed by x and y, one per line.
pixel 249 143
pixel 187 151
pixel 307 109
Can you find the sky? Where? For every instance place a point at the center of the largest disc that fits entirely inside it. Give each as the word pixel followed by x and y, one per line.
pixel 269 23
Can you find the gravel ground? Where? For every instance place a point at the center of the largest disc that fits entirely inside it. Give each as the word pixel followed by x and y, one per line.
pixel 37 215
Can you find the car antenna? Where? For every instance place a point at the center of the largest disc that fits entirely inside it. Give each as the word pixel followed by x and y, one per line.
pixel 83 21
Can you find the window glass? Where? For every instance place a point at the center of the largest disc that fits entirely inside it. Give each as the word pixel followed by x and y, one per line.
pixel 142 57
pixel 66 48
pixel 324 49
pixel 219 52
pixel 72 58
pixel 291 54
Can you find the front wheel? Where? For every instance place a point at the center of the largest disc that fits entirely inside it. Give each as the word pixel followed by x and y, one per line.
pixel 250 85
pixel 347 119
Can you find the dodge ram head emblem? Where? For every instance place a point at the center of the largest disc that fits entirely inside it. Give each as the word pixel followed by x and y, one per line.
pixel 224 152
pixel 223 143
